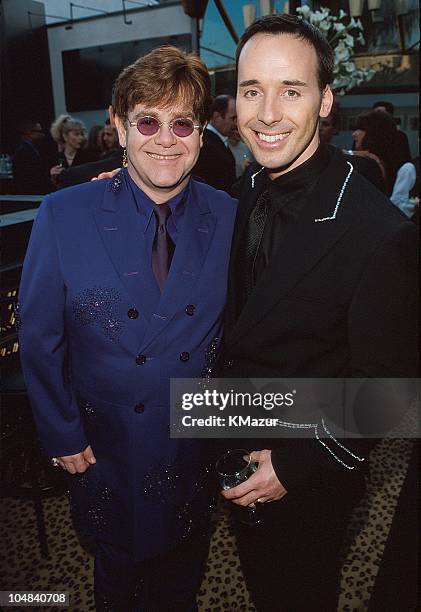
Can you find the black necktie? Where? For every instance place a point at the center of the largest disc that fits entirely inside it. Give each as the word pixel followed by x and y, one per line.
pixel 163 246
pixel 252 241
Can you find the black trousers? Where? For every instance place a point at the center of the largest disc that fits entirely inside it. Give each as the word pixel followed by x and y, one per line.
pixel 291 561
pixel 166 583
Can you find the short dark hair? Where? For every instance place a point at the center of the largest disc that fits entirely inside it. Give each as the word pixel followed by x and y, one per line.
pixel 25 126
pixel 387 105
pixel 220 104
pixel 298 27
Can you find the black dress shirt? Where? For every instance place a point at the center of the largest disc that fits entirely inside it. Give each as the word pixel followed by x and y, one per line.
pixel 288 195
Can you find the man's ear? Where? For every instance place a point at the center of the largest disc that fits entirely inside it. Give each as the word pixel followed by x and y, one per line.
pixel 121 129
pixel 327 102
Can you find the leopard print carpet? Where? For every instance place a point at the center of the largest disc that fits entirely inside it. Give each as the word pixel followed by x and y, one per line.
pixel 370 524
pixel 70 565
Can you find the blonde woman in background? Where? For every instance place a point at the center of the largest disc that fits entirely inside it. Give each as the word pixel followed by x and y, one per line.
pixel 70 136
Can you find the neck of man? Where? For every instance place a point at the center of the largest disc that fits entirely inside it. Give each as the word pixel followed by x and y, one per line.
pixel 274 173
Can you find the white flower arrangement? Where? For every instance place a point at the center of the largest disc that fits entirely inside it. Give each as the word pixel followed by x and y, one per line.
pixel 342 32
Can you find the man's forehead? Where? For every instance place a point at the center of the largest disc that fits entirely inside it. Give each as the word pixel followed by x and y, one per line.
pixel 164 111
pixel 276 47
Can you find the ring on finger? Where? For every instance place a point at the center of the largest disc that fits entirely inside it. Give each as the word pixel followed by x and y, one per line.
pixel 55 462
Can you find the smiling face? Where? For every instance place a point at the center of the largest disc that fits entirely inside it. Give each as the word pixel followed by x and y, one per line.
pixel 279 101
pixel 160 164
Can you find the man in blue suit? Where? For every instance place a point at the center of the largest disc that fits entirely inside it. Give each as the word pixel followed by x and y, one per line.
pixel 115 301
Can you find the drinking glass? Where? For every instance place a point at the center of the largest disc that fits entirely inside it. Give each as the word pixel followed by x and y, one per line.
pixel 233 468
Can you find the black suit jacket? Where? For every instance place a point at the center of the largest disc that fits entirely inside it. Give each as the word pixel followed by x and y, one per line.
pixel 216 163
pixel 338 300
pixel 30 171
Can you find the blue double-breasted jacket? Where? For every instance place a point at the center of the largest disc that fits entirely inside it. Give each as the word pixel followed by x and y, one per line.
pixel 99 345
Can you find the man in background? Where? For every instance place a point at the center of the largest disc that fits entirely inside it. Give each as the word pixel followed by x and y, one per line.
pixel 110 138
pixel 30 171
pixel 216 163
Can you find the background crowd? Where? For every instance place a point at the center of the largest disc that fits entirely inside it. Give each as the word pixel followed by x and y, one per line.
pixel 67 154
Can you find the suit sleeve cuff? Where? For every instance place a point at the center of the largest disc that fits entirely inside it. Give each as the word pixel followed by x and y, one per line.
pixel 298 462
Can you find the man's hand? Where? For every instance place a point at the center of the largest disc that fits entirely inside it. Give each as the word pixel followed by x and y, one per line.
pixel 262 486
pixel 79 463
pixel 106 174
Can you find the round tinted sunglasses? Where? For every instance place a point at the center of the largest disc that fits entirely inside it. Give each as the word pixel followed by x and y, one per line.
pixel 148 126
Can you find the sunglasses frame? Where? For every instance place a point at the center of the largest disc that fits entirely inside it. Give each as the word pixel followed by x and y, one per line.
pixel 161 123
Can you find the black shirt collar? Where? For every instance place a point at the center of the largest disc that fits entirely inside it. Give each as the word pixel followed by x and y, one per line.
pixel 303 176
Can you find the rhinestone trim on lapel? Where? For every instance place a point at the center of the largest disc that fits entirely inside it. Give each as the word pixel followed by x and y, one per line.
pixel 253 176
pixel 339 200
pixel 115 184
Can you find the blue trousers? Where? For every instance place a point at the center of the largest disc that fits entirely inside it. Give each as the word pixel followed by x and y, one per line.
pixel 166 583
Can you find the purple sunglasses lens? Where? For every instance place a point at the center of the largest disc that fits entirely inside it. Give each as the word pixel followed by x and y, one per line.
pixel 148 126
pixel 183 127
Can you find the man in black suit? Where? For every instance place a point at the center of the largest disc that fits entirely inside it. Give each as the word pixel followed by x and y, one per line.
pixel 322 284
pixel 216 163
pixel 30 171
